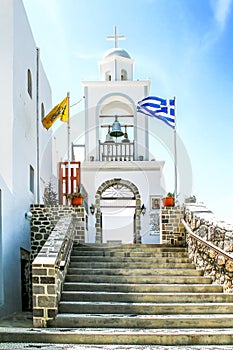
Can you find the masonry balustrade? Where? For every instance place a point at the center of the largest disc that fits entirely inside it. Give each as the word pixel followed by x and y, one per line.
pixel 210 244
pixel 49 269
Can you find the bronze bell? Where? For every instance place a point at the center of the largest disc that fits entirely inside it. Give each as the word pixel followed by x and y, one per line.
pixel 126 138
pixel 109 138
pixel 116 129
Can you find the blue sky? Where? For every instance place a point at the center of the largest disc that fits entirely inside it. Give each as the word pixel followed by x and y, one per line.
pixel 184 46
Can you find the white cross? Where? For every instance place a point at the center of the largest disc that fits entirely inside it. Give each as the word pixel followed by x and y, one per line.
pixel 115 37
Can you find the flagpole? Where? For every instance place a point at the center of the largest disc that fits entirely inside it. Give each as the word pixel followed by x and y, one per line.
pixel 68 143
pixel 68 126
pixel 175 155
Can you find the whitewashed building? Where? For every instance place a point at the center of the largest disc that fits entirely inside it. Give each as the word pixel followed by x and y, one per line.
pixel 120 174
pixel 25 97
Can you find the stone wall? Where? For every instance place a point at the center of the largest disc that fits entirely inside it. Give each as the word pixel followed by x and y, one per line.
pixel 49 270
pixel 44 219
pixel 173 232
pixel 25 279
pixel 204 224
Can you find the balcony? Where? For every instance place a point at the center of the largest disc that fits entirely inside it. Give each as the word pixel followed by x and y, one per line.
pixel 116 151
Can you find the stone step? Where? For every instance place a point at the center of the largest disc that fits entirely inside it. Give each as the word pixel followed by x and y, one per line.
pixel 127 336
pixel 144 308
pixel 142 288
pixel 152 279
pixel 148 260
pixel 130 247
pixel 147 297
pixel 137 294
pixel 123 253
pixel 143 321
pixel 137 265
pixel 134 272
pixel 77 258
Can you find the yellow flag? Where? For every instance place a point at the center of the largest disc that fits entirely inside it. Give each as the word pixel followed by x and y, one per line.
pixel 59 111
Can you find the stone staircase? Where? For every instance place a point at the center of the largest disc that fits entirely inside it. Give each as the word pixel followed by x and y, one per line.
pixel 141 294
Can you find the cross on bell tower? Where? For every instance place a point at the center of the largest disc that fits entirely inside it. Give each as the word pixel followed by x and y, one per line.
pixel 115 37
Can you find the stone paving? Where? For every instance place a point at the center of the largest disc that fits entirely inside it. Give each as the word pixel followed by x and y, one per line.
pixel 18 320
pixel 31 346
pixel 24 320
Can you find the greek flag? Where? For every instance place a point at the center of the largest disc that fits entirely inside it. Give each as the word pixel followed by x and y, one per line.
pixel 159 108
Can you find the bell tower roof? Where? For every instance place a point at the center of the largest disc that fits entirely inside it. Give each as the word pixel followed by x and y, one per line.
pixel 116 52
pixel 116 63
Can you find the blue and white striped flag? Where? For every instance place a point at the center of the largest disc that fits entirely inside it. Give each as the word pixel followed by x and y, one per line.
pixel 159 108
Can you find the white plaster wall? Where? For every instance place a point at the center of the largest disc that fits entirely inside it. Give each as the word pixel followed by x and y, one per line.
pixel 114 65
pixel 146 180
pixel 45 136
pixel 108 66
pixel 18 140
pixel 6 74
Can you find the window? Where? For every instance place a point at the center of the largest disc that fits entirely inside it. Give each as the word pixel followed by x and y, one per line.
pixel 31 179
pixel 42 111
pixel 108 76
pixel 123 74
pixel 29 83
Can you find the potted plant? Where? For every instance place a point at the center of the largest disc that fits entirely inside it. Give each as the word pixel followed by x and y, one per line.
pixel 169 200
pixel 76 198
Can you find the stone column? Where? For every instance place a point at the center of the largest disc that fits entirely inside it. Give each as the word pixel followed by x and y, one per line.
pixel 173 231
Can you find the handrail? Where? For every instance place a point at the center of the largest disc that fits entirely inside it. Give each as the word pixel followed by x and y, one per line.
pixel 65 254
pixel 208 244
pixel 67 247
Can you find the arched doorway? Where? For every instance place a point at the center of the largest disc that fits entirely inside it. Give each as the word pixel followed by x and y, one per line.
pixel 118 212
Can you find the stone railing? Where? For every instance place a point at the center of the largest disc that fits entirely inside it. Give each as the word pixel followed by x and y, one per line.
pixel 217 263
pixel 49 269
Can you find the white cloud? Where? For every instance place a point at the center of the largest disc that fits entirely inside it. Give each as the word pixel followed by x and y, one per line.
pixel 221 10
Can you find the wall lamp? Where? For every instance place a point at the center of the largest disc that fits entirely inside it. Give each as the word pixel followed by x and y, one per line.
pixel 143 209
pixel 28 215
pixel 92 208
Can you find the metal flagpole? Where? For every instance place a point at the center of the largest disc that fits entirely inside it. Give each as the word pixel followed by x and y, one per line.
pixel 68 143
pixel 175 156
pixel 68 126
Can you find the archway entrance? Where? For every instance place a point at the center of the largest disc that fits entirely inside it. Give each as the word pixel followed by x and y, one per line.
pixel 117 204
pixel 118 211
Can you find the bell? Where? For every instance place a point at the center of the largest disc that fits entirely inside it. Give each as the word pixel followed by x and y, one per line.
pixel 126 138
pixel 116 129
pixel 109 138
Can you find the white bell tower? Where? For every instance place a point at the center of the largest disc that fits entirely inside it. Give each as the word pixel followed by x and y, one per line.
pixel 114 98
pixel 118 173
